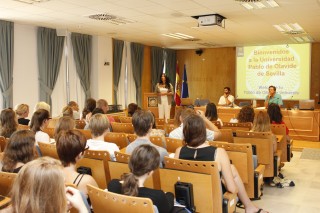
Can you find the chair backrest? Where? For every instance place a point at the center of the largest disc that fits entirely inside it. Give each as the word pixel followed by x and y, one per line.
pixel 3 143
pixel 80 124
pixel 23 127
pixel 98 162
pixel 226 135
pixel 48 149
pixel 6 182
pixel 264 147
pixel 124 119
pixel 170 121
pixel 172 144
pixel 104 201
pixel 118 138
pixel 280 129
pixel 157 140
pixel 217 124
pixel 53 122
pixel 169 128
pixel 237 126
pixel 86 133
pixel 122 127
pixel 118 168
pixel 49 131
pixel 131 137
pixel 203 175
pixel 160 121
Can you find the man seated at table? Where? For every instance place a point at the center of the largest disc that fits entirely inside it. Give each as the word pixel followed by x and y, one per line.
pixel 226 99
pixel 273 97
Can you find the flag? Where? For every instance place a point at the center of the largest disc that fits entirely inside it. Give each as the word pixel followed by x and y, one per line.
pixel 185 92
pixel 177 94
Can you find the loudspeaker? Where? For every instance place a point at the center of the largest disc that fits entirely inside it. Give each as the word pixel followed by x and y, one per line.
pixel 199 52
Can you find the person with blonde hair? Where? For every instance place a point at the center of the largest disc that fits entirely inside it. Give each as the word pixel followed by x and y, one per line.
pixel 42 105
pixel 67 111
pixel 19 151
pixel 261 123
pixel 8 122
pixel 39 187
pixel 71 145
pixel 64 123
pixel 75 107
pixel 99 126
pixel 22 111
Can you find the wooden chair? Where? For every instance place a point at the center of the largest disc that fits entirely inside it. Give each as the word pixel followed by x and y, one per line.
pixel 50 132
pixel 264 148
pixel 172 144
pixel 124 119
pixel 170 121
pixel 48 149
pixel 217 124
pixel 122 127
pixel 116 118
pixel 226 135
pixel 286 148
pixel 237 126
pixel 131 137
pixel 80 124
pixel 6 182
pixel 3 143
pixel 242 158
pixel 104 201
pixel 52 123
pixel 118 138
pixel 157 140
pixel 160 121
pixel 206 181
pixel 169 128
pixel 86 133
pixel 120 167
pixel 23 127
pixel 98 162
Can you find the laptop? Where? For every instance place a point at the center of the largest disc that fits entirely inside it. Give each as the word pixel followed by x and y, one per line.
pixel 306 104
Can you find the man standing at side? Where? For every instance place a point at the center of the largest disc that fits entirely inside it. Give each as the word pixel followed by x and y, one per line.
pixel 273 97
pixel 226 99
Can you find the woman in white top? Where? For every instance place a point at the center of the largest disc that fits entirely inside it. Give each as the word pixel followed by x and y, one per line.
pixel 99 126
pixel 212 113
pixel 165 93
pixel 39 122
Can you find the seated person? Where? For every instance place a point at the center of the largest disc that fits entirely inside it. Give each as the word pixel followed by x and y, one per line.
pixel 103 104
pixel 99 126
pixel 8 122
pixel 39 187
pixel 94 111
pixel 143 161
pixel 132 107
pixel 273 97
pixel 197 148
pixel 19 151
pixel 89 106
pixel 212 132
pixel 157 132
pixel 42 105
pixel 212 113
pixel 39 122
pixel 275 115
pixel 67 111
pixel 226 99
pixel 71 145
pixel 64 123
pixel 75 108
pixel 142 121
pixel 22 111
pixel 245 115
pixel 261 123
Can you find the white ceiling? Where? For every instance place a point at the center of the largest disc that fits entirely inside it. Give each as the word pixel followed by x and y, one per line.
pixel 155 17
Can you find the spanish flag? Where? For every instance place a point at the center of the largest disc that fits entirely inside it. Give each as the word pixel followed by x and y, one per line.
pixel 177 88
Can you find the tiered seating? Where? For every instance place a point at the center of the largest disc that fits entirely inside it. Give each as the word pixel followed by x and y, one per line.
pixel 80 124
pixel 237 126
pixel 3 143
pixel 283 145
pixel 226 135
pixel 6 181
pixel 49 131
pixel 122 127
pixel 124 119
pixel 118 138
pixel 47 149
pixel 172 144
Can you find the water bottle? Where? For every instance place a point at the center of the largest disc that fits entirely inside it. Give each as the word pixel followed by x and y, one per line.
pixel 254 103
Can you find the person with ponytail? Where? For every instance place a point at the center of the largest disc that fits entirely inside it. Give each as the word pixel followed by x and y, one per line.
pixel 143 161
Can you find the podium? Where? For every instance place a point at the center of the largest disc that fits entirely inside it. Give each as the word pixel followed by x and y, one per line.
pixel 150 102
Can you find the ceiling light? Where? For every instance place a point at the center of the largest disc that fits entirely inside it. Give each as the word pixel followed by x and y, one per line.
pixel 298 39
pixel 248 0
pixel 291 29
pixel 31 1
pixel 272 3
pixel 178 36
pixel 260 5
pixel 249 5
pixel 186 36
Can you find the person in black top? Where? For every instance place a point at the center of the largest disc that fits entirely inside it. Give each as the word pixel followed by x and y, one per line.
pixel 143 161
pixel 197 148
pixel 22 111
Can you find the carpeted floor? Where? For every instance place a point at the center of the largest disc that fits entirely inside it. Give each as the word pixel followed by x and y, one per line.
pixel 311 154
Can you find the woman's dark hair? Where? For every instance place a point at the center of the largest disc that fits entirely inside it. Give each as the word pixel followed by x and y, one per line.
pixel 275 113
pixel 211 112
pixel 69 145
pixel 167 80
pixel 8 123
pixel 194 130
pixel 132 107
pixel 142 121
pixel 20 148
pixel 246 114
pixel 154 125
pixel 144 159
pixel 89 106
pixel 38 118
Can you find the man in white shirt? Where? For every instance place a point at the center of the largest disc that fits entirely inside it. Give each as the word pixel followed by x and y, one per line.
pixel 226 99
pixel 212 131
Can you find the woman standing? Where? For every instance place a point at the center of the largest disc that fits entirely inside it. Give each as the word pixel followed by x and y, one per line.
pixel 164 89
